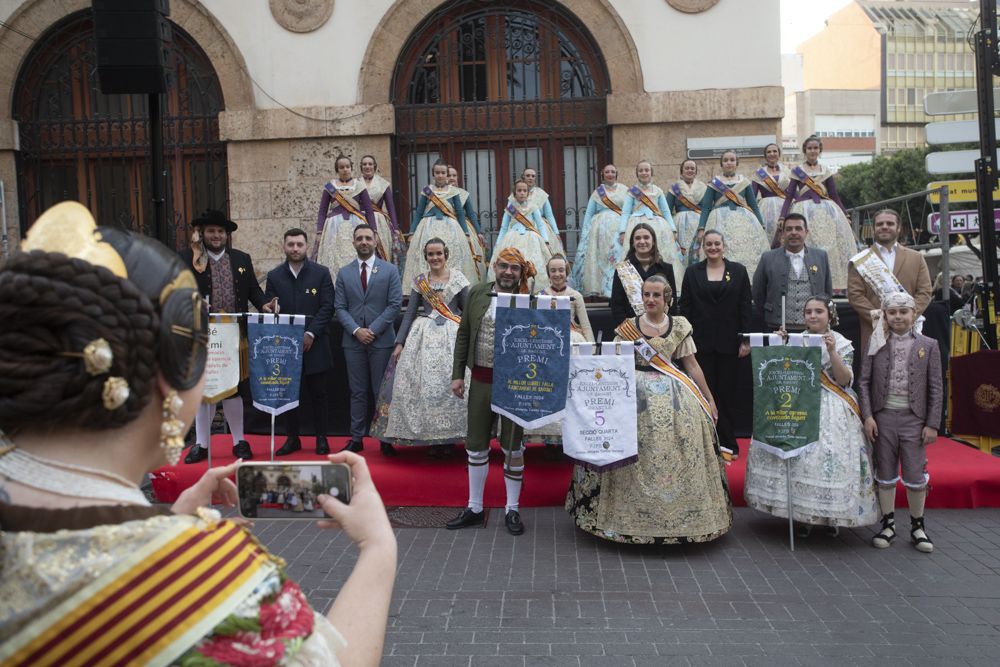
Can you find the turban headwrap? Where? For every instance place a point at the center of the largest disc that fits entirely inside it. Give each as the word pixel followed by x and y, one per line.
pixel 514 256
pixel 879 326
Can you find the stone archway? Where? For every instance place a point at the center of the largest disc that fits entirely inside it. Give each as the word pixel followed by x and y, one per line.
pixel 36 16
pixel 395 28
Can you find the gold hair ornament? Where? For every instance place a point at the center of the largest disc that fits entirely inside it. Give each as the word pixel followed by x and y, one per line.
pixel 172 428
pixel 116 392
pixel 97 356
pixel 69 228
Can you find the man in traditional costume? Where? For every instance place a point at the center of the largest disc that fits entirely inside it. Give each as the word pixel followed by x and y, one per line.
pixel 794 271
pixel 884 268
pixel 226 279
pixel 474 349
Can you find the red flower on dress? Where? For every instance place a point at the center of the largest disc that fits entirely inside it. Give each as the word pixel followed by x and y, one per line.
pixel 244 649
pixel 288 616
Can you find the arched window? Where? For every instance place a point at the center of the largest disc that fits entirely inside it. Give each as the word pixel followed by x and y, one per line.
pixel 77 143
pixel 496 86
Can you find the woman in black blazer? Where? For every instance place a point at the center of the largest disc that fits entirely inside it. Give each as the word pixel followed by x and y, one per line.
pixel 644 255
pixel 715 299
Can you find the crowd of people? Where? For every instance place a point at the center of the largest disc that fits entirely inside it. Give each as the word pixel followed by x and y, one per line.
pixel 104 348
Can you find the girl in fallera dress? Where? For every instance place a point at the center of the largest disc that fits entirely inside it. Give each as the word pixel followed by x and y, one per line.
pixel 647 203
pixel 440 213
pixel 729 205
pixel 769 183
pixel 676 492
pixel 540 199
pixel 345 204
pixel 384 208
pixel 812 192
pixel 684 201
pixel 557 270
pixel 524 228
pixel 420 409
pixel 596 252
pixel 833 482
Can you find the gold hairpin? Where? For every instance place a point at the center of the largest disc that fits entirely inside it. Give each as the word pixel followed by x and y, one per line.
pixel 97 356
pixel 116 392
pixel 68 228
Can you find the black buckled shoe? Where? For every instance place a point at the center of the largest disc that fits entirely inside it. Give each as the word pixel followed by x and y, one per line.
pixel 921 542
pixel 883 538
pixel 514 524
pixel 467 519
pixel 355 446
pixel 322 446
pixel 196 454
pixel 292 444
pixel 241 450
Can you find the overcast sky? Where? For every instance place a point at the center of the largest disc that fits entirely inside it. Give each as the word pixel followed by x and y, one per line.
pixel 801 19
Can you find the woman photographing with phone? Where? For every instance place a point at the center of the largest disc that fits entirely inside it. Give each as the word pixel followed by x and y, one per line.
pixel 101 371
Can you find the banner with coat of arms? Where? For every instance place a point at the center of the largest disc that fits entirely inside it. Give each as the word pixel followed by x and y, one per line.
pixel 599 427
pixel 276 351
pixel 531 350
pixel 786 393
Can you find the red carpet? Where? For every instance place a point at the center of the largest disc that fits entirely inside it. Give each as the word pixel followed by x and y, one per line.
pixel 961 477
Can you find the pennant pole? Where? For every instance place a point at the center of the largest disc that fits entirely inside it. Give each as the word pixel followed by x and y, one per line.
pixel 791 524
pixel 272 437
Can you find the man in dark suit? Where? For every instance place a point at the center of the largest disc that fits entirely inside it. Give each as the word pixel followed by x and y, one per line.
pixel 794 271
pixel 226 279
pixel 368 297
pixel 305 288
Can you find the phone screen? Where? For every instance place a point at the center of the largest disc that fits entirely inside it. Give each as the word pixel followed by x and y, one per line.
pixel 290 490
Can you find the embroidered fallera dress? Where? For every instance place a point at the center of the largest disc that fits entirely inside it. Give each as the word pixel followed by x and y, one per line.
pixel 540 199
pixel 740 223
pixel 440 213
pixel 833 482
pixel 661 220
pixel 769 201
pixel 684 202
pixel 334 247
pixel 677 491
pixel 421 409
pixel 597 250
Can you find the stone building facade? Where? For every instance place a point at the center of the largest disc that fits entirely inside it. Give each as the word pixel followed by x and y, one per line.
pixel 299 82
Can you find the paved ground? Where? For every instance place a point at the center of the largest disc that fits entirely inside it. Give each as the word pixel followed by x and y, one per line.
pixel 556 596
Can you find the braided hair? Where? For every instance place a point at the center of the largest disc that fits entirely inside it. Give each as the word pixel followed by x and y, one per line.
pixel 831 307
pixel 51 305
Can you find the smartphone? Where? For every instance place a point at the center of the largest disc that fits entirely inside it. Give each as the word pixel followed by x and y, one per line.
pixel 289 490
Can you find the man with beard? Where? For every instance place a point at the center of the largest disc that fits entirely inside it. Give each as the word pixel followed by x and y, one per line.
pixel 474 349
pixel 907 265
pixel 226 279
pixel 305 288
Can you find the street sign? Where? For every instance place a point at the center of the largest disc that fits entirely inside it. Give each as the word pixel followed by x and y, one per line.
pixel 956 131
pixel 699 148
pixel 951 162
pixel 960 222
pixel 958 191
pixel 953 102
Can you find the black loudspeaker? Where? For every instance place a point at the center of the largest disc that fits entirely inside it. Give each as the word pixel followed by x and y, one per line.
pixel 133 38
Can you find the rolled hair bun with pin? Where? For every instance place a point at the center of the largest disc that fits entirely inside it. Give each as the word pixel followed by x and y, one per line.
pixel 72 284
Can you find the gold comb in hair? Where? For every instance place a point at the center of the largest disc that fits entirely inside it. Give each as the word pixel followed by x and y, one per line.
pixel 69 228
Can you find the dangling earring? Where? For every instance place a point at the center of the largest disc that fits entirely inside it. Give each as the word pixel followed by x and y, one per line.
pixel 171 430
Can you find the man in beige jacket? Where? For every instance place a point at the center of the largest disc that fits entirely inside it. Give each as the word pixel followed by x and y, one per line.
pixel 907 265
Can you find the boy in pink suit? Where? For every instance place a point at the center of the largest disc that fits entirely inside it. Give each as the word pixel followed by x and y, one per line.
pixel 901 395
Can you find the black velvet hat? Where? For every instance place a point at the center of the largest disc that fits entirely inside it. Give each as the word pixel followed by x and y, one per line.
pixel 213 217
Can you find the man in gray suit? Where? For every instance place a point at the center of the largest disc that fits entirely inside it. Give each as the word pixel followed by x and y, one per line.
pixel 793 270
pixel 367 298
